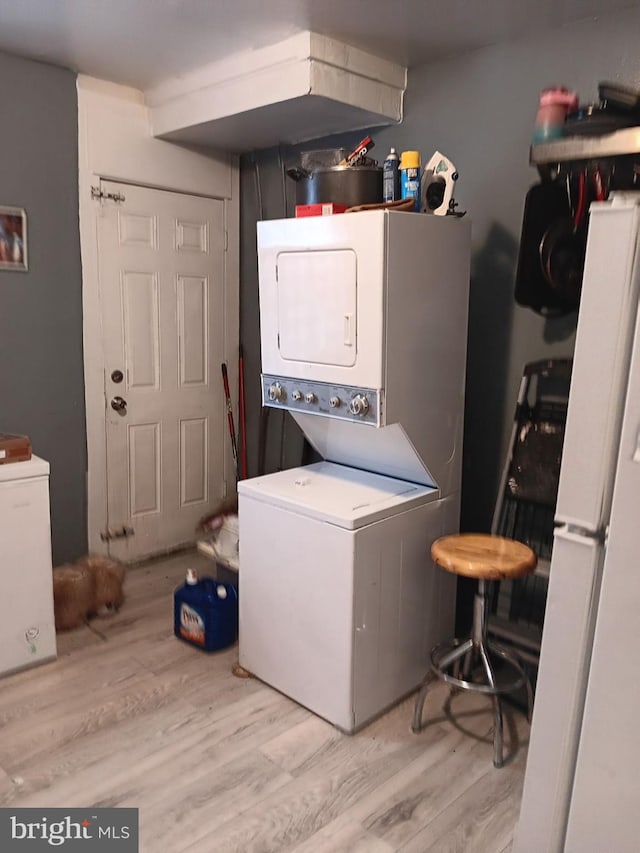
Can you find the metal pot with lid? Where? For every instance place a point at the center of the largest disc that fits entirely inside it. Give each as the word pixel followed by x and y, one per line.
pixel 339 176
pixel 348 185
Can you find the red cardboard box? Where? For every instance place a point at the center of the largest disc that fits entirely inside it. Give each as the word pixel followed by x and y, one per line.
pixel 319 209
pixel 14 448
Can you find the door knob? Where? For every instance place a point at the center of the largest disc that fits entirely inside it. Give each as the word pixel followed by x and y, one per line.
pixel 119 405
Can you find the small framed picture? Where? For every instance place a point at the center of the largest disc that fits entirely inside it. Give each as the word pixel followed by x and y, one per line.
pixel 13 239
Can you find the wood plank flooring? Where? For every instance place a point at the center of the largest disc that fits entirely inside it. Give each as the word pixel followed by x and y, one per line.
pixel 130 716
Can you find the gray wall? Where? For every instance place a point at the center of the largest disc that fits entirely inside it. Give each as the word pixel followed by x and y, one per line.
pixel 41 373
pixel 265 193
pixel 479 110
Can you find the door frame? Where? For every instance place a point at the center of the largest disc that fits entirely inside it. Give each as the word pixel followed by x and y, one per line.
pixel 219 177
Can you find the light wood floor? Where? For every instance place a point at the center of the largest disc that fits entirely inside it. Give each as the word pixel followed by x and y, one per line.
pixel 217 764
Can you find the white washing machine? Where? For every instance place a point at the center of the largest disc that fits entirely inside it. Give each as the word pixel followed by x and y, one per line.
pixel 342 608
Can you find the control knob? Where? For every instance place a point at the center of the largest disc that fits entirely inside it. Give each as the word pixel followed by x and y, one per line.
pixel 275 392
pixel 334 402
pixel 310 397
pixel 359 405
pixel 297 395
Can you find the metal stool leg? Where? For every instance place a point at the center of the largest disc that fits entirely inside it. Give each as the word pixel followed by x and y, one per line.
pixel 462 668
pixel 416 726
pixel 480 637
pixel 451 658
pixel 497 710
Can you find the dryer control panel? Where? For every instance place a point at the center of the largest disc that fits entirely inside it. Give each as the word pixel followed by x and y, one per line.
pixel 360 405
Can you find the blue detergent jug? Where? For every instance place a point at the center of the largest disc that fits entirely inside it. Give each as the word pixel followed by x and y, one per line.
pixel 206 612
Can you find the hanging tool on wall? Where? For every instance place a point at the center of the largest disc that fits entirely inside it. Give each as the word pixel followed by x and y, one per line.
pixel 232 428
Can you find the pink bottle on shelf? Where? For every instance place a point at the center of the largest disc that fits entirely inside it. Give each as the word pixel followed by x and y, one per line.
pixel 554 105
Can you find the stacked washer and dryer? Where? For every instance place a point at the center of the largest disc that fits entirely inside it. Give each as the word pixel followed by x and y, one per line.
pixel 363 337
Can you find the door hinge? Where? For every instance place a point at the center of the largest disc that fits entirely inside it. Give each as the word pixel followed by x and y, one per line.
pixel 226 241
pixel 117 533
pixel 98 195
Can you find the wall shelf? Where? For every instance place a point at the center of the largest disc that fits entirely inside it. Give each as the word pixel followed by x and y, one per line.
pixel 616 144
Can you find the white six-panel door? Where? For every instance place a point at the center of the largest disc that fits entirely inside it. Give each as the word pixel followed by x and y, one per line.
pixel 161 267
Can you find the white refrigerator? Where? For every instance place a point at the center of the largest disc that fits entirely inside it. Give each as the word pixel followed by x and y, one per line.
pixel 580 788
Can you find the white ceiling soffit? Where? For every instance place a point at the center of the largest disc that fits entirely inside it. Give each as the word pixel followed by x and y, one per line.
pixel 302 88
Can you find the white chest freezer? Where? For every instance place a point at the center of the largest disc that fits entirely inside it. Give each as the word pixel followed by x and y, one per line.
pixel 340 602
pixel 27 627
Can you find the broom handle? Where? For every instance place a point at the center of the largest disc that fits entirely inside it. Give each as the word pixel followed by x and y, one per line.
pixel 243 416
pixel 232 429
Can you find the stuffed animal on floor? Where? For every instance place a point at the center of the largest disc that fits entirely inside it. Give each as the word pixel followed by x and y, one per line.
pixel 86 589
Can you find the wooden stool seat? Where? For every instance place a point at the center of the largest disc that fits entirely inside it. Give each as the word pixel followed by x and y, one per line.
pixel 486 558
pixel 483 556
